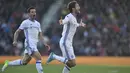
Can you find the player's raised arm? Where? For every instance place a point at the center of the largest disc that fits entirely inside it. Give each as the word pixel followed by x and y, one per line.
pixel 82 24
pixel 64 21
pixel 78 24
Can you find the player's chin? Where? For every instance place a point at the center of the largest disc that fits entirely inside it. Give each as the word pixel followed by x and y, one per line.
pixel 33 17
pixel 78 11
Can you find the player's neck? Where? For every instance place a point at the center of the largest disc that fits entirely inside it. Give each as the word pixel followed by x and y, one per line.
pixel 74 14
pixel 32 19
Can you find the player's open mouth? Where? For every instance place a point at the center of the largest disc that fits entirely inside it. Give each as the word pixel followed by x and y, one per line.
pixel 34 15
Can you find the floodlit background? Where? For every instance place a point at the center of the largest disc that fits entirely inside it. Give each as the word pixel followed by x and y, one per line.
pixel 107 32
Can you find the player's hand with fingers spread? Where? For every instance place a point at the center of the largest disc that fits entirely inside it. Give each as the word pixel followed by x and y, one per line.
pixel 47 46
pixel 82 24
pixel 14 43
pixel 60 21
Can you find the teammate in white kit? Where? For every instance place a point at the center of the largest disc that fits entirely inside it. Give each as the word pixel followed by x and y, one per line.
pixel 32 32
pixel 70 25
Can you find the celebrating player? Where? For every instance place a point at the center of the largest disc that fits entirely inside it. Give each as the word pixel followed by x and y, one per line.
pixel 32 32
pixel 70 25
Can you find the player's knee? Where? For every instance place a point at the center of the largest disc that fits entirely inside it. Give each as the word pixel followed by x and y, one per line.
pixel 71 64
pixel 38 58
pixel 24 63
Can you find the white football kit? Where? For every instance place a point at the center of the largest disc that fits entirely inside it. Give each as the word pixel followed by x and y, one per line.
pixel 70 25
pixel 31 32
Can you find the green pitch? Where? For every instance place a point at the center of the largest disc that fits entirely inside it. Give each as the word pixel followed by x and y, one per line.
pixel 77 69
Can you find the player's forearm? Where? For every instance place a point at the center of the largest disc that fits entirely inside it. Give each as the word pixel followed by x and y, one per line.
pixel 41 37
pixel 16 35
pixel 82 23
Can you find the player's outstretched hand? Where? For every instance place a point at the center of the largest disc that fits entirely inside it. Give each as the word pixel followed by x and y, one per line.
pixel 60 21
pixel 47 46
pixel 14 43
pixel 82 24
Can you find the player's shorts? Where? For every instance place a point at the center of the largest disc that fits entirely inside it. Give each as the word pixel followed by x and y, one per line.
pixel 30 47
pixel 67 49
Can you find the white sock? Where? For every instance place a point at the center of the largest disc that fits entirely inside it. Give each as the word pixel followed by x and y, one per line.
pixel 66 69
pixel 39 66
pixel 61 59
pixel 15 62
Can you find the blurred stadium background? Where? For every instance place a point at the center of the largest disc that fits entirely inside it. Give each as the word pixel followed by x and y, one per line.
pixel 107 32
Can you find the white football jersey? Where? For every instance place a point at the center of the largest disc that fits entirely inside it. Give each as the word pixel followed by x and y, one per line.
pixel 70 25
pixel 31 30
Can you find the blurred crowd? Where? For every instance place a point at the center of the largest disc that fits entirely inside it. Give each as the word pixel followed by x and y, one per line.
pixel 106 33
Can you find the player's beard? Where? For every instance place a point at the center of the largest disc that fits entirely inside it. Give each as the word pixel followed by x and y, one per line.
pixel 78 11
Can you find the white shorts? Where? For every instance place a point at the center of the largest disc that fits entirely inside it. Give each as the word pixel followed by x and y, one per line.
pixel 30 47
pixel 67 49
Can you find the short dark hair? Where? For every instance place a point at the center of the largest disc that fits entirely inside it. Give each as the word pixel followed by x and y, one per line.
pixel 28 10
pixel 71 5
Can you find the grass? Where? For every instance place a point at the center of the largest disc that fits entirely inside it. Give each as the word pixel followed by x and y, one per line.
pixel 77 69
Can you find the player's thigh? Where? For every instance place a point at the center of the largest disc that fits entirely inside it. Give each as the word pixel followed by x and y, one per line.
pixel 36 55
pixel 62 49
pixel 71 52
pixel 30 47
pixel 26 58
pixel 67 51
pixel 71 60
pixel 70 56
